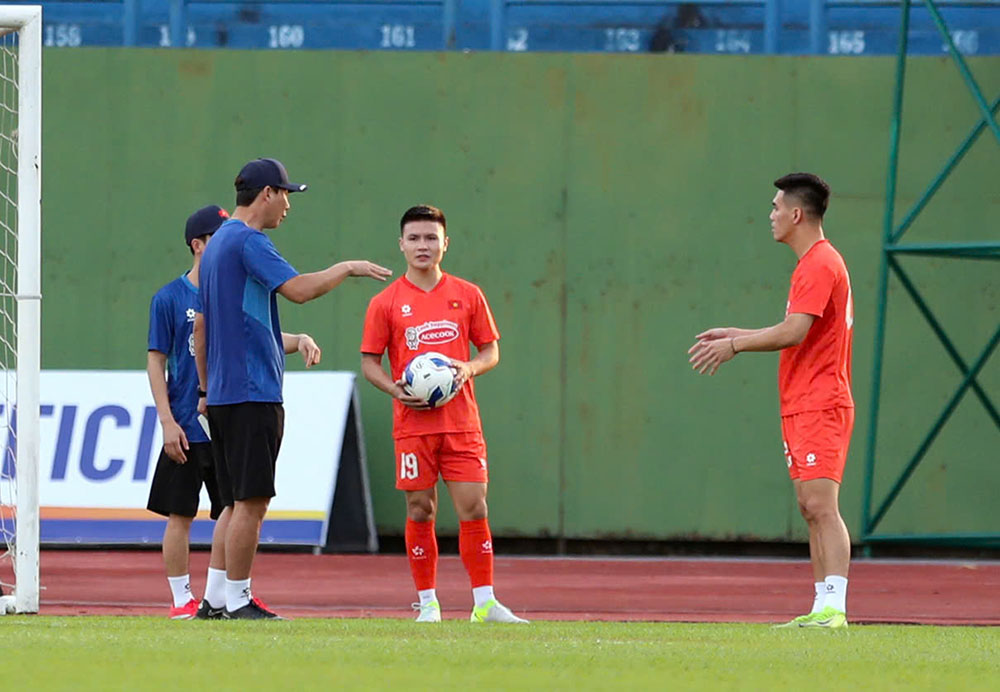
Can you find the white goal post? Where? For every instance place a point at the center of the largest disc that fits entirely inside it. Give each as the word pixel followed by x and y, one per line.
pixel 21 292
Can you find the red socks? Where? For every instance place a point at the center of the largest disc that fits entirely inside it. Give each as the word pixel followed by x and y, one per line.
pixel 475 545
pixel 422 549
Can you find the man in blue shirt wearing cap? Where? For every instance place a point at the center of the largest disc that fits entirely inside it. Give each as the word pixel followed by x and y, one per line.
pixel 186 458
pixel 242 358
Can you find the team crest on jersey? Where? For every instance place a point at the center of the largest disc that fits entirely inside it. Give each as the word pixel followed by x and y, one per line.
pixel 431 333
pixel 406 310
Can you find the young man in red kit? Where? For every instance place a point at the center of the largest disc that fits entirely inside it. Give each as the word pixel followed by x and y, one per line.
pixel 814 383
pixel 428 310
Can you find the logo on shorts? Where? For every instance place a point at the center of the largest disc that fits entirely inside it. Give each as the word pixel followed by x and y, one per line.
pixel 487 546
pixel 417 551
pixel 810 459
pixel 482 463
pixel 406 310
pixel 788 455
pixel 431 333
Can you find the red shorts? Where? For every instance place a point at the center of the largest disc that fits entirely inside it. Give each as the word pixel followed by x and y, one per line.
pixel 455 456
pixel 816 442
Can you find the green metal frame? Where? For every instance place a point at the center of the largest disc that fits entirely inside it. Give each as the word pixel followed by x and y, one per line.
pixel 891 248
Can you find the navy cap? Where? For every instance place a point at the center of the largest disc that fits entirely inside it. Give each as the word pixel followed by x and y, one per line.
pixel 266 173
pixel 205 221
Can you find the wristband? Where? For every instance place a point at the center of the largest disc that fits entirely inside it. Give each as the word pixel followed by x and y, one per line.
pixel 202 394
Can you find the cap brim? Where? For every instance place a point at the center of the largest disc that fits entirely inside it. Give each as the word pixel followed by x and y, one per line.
pixel 294 187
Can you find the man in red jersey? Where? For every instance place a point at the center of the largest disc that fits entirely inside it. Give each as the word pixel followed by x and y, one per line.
pixel 814 382
pixel 428 310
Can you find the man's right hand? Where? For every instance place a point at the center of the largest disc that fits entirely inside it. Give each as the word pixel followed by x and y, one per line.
pixel 369 269
pixel 175 442
pixel 407 399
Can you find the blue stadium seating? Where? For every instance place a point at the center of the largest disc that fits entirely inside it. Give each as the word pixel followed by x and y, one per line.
pixel 861 27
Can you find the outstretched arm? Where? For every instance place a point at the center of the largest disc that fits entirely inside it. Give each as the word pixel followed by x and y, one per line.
pixel 305 287
pixel 716 346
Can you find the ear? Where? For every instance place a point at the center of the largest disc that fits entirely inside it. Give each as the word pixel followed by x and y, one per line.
pixel 798 215
pixel 445 245
pixel 401 242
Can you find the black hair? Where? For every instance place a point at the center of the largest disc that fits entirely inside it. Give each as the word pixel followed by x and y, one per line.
pixel 810 190
pixel 423 212
pixel 244 198
pixel 202 238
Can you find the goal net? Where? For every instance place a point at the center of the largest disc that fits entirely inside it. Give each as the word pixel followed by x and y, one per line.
pixel 20 299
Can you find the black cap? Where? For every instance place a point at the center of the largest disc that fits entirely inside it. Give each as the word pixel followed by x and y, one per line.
pixel 266 173
pixel 205 221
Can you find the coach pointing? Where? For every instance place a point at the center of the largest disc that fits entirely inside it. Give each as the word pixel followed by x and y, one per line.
pixel 241 359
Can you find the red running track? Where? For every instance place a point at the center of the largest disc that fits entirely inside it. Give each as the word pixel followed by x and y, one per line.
pixel 682 590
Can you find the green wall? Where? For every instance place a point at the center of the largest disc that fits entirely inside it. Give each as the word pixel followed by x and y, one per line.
pixel 611 207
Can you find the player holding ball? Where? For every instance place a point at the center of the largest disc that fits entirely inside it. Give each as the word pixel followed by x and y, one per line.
pixel 429 310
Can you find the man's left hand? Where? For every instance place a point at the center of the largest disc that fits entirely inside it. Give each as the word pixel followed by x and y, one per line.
pixel 311 353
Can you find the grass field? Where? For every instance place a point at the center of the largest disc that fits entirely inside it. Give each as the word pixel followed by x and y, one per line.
pixel 155 653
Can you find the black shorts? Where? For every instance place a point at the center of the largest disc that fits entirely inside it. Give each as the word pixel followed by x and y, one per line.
pixel 246 438
pixel 176 487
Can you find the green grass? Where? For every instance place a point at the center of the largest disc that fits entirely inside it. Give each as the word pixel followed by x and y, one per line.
pixel 154 653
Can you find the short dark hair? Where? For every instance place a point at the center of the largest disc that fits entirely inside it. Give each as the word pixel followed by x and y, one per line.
pixel 244 198
pixel 202 238
pixel 423 212
pixel 811 190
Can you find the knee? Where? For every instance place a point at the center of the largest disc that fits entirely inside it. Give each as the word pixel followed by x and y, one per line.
pixel 817 510
pixel 179 522
pixel 473 510
pixel 254 508
pixel 420 509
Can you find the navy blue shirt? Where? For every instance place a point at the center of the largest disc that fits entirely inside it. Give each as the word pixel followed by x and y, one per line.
pixel 240 273
pixel 171 325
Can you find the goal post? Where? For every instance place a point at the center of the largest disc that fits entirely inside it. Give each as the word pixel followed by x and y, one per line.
pixel 20 255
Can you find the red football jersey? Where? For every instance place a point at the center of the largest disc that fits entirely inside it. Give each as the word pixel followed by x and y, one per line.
pixel 405 320
pixel 816 374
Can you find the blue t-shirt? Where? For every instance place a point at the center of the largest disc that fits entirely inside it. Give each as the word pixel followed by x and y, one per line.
pixel 240 273
pixel 171 325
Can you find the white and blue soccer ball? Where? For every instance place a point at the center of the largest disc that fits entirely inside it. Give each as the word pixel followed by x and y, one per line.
pixel 430 377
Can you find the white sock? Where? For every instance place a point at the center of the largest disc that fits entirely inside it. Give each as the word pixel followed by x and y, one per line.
pixel 427 596
pixel 180 587
pixel 818 602
pixel 836 593
pixel 215 587
pixel 482 595
pixel 237 593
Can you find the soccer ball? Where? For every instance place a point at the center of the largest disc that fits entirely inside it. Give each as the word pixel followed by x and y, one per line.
pixel 430 377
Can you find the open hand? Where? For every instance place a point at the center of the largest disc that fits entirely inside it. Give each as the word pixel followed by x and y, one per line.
pixel 403 396
pixel 707 356
pixel 369 269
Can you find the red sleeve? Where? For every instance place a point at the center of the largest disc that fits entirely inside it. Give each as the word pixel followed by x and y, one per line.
pixel 482 328
pixel 812 286
pixel 375 338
